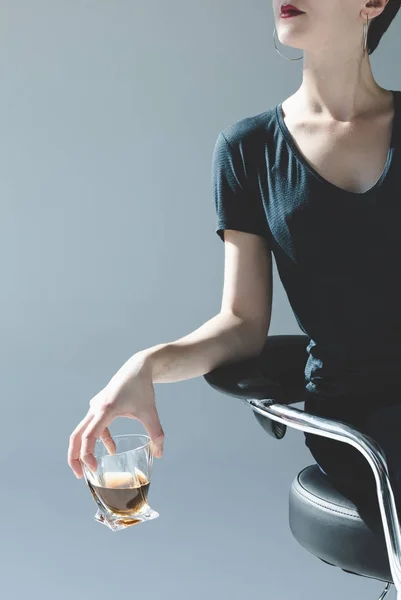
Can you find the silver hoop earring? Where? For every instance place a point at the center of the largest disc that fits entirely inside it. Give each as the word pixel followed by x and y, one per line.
pixel 275 45
pixel 365 35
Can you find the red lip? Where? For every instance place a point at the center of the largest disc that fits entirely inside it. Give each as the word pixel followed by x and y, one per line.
pixel 289 8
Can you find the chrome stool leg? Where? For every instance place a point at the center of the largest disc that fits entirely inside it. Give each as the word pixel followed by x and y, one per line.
pixel 385 592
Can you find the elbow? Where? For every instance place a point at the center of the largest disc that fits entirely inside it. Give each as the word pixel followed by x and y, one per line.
pixel 256 335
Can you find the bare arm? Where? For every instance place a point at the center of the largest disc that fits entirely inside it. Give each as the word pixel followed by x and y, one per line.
pixel 238 331
pixel 223 338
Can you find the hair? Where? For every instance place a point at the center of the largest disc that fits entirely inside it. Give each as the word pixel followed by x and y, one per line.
pixel 380 24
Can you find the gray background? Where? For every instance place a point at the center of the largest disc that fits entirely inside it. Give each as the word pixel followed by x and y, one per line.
pixel 109 112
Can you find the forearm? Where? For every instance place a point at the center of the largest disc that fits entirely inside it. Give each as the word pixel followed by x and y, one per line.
pixel 224 338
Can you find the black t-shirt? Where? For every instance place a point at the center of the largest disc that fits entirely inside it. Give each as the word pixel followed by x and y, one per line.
pixel 337 252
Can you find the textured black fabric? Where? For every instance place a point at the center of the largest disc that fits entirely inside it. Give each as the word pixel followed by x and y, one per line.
pixel 337 252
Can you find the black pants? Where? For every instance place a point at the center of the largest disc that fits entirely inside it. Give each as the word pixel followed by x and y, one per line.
pixel 379 416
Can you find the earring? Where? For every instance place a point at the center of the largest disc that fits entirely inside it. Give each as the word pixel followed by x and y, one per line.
pixel 365 35
pixel 365 41
pixel 275 45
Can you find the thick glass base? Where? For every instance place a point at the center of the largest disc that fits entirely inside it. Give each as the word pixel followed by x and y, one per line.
pixel 116 523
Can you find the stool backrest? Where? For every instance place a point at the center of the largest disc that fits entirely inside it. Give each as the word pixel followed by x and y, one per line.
pixel 277 374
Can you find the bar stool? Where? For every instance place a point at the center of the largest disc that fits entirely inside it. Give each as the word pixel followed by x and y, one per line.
pixel 321 519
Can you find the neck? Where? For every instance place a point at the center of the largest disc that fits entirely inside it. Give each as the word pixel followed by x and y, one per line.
pixel 340 87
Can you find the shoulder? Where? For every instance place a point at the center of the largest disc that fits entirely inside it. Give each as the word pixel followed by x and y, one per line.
pixel 249 131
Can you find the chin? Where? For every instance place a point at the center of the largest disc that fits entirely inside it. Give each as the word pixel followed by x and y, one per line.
pixel 289 38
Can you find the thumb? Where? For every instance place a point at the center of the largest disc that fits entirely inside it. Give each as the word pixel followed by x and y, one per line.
pixel 152 424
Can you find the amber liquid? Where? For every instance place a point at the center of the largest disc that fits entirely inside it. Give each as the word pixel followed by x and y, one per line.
pixel 121 494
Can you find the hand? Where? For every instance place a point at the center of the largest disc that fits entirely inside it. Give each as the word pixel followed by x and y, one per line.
pixel 130 393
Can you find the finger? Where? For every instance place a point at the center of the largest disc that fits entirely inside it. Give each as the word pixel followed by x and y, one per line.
pixel 152 424
pixel 108 441
pixel 93 431
pixel 74 449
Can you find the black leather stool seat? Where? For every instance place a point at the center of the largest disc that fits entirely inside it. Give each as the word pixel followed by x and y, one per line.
pixel 330 526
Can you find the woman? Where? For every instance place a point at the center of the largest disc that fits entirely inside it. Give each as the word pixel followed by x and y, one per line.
pixel 316 182
pixel 342 235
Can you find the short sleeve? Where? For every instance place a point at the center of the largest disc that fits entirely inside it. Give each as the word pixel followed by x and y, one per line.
pixel 236 207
